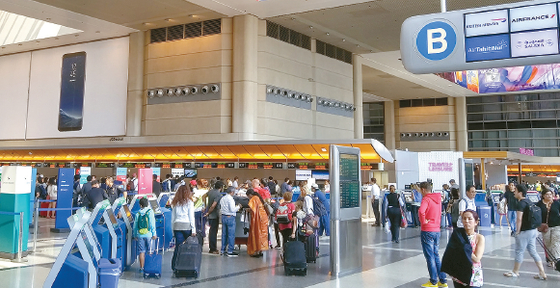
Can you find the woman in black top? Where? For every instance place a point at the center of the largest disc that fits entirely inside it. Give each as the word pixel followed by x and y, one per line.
pixel 551 216
pixel 394 213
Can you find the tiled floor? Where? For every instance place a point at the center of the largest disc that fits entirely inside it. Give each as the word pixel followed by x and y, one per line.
pixel 384 265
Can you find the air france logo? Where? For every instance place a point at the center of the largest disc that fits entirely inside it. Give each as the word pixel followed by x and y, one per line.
pixel 533 18
pixel 436 41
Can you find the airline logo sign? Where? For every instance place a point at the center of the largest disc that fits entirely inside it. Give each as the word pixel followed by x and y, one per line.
pixel 487 23
pixel 533 17
pixel 491 47
pixel 534 43
pixel 436 40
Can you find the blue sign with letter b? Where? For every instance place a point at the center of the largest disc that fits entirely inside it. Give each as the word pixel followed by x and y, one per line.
pixel 436 40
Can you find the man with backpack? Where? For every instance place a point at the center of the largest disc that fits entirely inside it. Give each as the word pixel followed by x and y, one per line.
pixel 321 208
pixel 529 217
pixel 144 230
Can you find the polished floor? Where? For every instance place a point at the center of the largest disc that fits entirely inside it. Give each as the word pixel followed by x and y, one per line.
pixel 385 264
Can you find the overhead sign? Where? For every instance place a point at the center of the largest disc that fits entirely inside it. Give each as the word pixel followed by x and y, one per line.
pixel 519 34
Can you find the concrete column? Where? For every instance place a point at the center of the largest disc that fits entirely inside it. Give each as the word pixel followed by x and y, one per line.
pixel 136 95
pixel 245 76
pixel 358 97
pixel 461 123
pixel 389 118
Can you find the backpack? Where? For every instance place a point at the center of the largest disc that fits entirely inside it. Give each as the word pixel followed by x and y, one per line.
pixel 130 185
pixel 455 212
pixel 143 223
pixel 284 214
pixel 535 215
pixel 42 191
pixel 318 207
pixel 165 185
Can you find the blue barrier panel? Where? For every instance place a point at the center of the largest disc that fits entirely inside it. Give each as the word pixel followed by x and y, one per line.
pixel 64 199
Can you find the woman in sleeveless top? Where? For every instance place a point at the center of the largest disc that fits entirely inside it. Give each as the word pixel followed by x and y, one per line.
pixel 470 222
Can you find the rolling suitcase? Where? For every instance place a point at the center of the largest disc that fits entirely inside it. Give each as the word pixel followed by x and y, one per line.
pixel 152 264
pixel 312 248
pixel 187 257
pixel 294 259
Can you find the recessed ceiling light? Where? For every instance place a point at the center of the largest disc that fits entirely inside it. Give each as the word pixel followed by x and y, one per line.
pixel 97 32
pixel 310 27
pixel 48 19
pixel 358 45
pixel 168 19
pixel 293 18
pixel 324 149
pixel 327 33
pixel 343 40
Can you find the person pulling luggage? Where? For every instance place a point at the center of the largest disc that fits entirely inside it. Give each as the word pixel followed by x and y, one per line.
pixel 144 230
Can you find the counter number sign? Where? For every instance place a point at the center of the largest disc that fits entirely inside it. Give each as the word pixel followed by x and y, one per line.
pixel 436 40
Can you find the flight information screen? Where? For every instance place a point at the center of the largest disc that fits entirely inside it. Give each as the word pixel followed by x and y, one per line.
pixel 349 181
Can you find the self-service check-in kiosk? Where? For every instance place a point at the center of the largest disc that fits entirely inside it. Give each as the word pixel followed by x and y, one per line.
pixel 164 229
pixel 163 199
pixel 108 231
pixel 68 268
pixel 125 228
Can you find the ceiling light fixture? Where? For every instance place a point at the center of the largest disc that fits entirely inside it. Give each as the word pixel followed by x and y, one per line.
pixel 343 40
pixel 310 27
pixel 327 33
pixel 323 149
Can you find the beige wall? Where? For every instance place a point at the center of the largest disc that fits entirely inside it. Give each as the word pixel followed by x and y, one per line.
pixel 426 119
pixel 284 65
pixel 198 60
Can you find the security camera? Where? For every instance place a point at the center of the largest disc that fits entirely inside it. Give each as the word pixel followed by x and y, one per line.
pixel 170 92
pixel 178 91
pixel 194 90
pixel 216 89
pixel 151 93
pixel 186 90
pixel 160 92
pixel 204 89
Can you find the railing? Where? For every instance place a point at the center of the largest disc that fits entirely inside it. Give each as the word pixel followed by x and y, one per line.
pixel 36 220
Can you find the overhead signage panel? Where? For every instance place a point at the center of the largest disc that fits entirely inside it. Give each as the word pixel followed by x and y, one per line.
pixel 487 47
pixel 487 23
pixel 533 17
pixel 534 43
pixel 519 34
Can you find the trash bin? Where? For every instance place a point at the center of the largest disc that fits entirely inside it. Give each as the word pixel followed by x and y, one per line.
pixel 109 272
pixel 485 215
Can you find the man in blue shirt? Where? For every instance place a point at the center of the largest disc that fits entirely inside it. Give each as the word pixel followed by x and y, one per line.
pixel 228 209
pixel 324 220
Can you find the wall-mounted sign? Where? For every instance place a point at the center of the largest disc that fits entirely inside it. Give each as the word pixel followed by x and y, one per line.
pixel 440 167
pixel 303 174
pixel 526 151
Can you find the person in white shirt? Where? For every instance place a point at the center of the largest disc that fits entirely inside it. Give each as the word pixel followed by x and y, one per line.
pixel 182 215
pixel 467 203
pixel 228 210
pixel 375 195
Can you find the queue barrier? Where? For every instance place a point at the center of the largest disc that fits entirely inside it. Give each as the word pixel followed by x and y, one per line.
pixel 36 217
pixel 20 235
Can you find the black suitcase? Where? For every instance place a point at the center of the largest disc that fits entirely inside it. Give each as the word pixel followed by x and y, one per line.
pixel 312 248
pixel 294 258
pixel 187 257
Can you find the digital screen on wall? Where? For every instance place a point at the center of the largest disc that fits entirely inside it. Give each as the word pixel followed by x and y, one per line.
pixel 349 181
pixel 320 174
pixel 190 173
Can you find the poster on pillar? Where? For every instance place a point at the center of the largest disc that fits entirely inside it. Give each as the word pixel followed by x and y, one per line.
pixel 144 181
pixel 156 171
pixel 440 166
pixel 84 173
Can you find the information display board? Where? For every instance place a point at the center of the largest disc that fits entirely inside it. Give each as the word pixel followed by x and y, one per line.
pixel 523 33
pixel 349 181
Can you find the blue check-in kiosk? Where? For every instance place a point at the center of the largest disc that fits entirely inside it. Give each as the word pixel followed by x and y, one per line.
pixel 163 199
pixel 108 231
pixel 70 270
pixel 124 241
pixel 164 228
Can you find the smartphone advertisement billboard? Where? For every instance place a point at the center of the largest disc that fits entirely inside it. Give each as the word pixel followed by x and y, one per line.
pixel 64 92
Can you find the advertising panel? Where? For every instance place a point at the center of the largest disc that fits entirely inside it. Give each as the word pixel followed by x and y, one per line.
pixel 487 23
pixel 121 173
pixel 177 172
pixel 534 43
pixel 484 48
pixel 78 90
pixel 145 181
pixel 533 17
pixel 156 171
pixel 303 174
pixel 14 80
pixel 84 172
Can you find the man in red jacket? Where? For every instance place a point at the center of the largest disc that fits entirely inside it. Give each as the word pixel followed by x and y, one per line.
pixel 430 220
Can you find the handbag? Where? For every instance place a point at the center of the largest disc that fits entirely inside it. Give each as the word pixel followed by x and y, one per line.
pixel 404 222
pixel 544 226
pixel 269 210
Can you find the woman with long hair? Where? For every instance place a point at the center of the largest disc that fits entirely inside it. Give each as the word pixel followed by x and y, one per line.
pixel 550 229
pixel 394 213
pixel 52 192
pixel 258 230
pixel 182 215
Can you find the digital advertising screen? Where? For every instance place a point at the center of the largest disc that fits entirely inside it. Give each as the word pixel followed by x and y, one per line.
pixel 349 180
pixel 190 173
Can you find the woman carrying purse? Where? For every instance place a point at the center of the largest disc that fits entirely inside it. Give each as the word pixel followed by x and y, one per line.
pixel 550 228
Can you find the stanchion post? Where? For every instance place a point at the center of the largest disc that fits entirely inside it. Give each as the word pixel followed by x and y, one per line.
pixel 20 239
pixel 35 229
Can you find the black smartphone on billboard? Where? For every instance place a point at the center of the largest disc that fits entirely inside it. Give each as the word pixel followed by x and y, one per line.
pixel 72 86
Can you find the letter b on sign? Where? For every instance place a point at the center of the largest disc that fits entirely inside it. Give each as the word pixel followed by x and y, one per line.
pixel 436 41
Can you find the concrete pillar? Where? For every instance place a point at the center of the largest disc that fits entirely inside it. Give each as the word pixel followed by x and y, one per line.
pixel 461 123
pixel 245 76
pixel 389 119
pixel 358 97
pixel 135 95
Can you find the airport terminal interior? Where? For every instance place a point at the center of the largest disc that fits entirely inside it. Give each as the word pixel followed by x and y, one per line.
pixel 334 93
